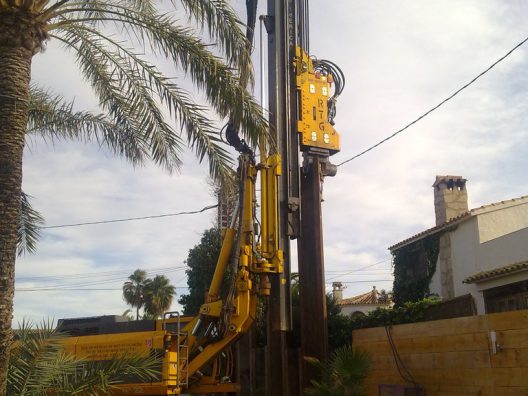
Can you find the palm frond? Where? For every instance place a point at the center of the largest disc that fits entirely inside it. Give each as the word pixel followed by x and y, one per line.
pixel 224 27
pixel 98 377
pixel 38 366
pixel 179 44
pixel 136 75
pixel 125 95
pixel 51 117
pixel 33 358
pixel 29 226
pixel 202 136
pixel 343 374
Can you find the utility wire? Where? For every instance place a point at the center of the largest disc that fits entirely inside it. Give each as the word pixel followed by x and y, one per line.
pixel 94 274
pixel 358 269
pixel 96 282
pixel 131 218
pixel 365 281
pixel 437 106
pixel 363 272
pixel 76 289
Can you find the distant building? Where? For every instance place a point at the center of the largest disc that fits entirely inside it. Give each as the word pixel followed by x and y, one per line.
pixel 482 251
pixel 361 304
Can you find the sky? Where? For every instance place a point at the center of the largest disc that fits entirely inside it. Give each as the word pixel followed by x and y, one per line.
pixel 400 58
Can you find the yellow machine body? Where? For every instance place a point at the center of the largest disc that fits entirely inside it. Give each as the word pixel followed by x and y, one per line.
pixel 106 346
pixel 195 355
pixel 162 341
pixel 313 91
pixel 195 352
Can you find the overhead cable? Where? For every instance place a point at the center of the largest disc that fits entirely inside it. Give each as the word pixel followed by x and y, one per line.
pixel 130 218
pixel 359 269
pixel 97 281
pixel 75 289
pixel 365 281
pixel 437 106
pixel 100 274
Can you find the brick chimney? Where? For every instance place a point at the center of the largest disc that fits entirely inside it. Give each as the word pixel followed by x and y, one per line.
pixel 374 295
pixel 337 291
pixel 450 198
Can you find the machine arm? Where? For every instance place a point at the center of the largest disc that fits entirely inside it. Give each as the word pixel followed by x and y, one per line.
pixel 252 256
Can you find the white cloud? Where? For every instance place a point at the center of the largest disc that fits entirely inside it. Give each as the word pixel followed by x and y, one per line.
pixel 400 59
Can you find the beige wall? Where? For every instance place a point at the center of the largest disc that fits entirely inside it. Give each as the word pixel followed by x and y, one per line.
pixel 453 356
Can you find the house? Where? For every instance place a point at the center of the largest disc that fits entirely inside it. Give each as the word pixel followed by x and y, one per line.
pixel 482 252
pixel 362 303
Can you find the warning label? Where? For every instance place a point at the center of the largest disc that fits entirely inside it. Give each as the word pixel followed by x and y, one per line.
pixel 110 350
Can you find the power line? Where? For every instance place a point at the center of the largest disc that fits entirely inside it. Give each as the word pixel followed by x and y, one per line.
pixel 358 269
pixel 364 272
pixel 75 289
pixel 130 218
pixel 366 281
pixel 96 282
pixel 94 274
pixel 437 106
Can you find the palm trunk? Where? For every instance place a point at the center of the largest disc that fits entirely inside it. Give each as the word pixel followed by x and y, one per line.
pixel 15 64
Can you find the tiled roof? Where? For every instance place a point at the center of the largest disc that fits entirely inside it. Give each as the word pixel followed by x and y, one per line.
pixel 371 297
pixel 460 218
pixel 497 272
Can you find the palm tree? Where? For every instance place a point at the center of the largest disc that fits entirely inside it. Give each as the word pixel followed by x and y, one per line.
pixel 39 364
pixel 127 313
pixel 343 374
pixel 131 91
pixel 158 296
pixel 134 290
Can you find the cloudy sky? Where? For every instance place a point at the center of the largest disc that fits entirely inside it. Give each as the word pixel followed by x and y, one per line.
pixel 400 58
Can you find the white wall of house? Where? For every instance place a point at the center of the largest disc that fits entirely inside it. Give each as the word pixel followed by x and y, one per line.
pixel 511 217
pixel 435 286
pixel 464 258
pixel 486 241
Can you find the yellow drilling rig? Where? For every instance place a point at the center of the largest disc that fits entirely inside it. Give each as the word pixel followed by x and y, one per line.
pixel 195 353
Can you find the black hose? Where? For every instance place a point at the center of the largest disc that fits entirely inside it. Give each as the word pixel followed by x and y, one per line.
pixel 231 133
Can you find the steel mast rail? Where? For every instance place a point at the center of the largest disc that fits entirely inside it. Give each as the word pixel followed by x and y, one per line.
pixel 302 112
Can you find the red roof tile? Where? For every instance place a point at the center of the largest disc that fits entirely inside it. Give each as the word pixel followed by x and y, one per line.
pixel 371 297
pixel 497 272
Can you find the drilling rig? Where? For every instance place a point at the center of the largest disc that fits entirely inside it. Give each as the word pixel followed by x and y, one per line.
pixel 195 353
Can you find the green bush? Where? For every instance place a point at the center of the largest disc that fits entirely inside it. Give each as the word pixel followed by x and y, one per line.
pixel 343 374
pixel 409 312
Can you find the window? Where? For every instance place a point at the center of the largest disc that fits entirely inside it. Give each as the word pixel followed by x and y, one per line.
pixel 510 297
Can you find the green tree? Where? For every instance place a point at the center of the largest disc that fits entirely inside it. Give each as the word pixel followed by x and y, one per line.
pixel 131 91
pixel 201 261
pixel 134 290
pixel 339 325
pixel 158 295
pixel 39 364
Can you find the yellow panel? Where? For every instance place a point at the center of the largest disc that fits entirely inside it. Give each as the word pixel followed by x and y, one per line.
pixel 106 346
pixel 144 389
pixel 313 95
